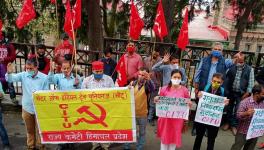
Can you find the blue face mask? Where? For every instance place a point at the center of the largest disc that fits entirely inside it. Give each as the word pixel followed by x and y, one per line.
pixel 31 73
pixel 98 76
pixel 216 53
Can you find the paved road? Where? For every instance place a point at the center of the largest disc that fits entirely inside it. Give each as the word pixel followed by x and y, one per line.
pixel 16 132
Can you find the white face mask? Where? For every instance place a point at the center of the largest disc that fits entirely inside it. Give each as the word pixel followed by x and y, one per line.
pixel 175 66
pixel 175 81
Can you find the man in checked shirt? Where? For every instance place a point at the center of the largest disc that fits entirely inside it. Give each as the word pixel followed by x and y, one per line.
pixel 244 114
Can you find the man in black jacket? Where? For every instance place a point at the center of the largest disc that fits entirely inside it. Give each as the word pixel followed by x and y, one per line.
pixel 238 85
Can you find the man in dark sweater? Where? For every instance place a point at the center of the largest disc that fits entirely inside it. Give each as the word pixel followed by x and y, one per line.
pixel 238 85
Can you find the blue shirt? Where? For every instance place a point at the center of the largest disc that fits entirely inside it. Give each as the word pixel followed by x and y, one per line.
pixel 228 63
pixel 166 72
pixel 62 82
pixel 29 86
pixel 1 88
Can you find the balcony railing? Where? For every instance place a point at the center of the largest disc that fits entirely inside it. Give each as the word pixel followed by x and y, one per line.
pixel 190 58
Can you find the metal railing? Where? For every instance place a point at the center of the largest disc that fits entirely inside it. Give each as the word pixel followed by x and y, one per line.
pixel 190 58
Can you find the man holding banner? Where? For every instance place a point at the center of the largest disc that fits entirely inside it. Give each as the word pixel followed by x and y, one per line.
pixel 32 80
pixel 64 81
pixel 209 112
pixel 246 116
pixel 98 80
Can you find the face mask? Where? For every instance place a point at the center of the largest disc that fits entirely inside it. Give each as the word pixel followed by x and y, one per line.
pixel 98 76
pixel 240 65
pixel 216 85
pixel 216 53
pixel 175 66
pixel 31 73
pixel 131 49
pixel 261 99
pixel 41 55
pixel 175 81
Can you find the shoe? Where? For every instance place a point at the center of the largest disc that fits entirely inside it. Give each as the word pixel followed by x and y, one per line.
pixel 151 122
pixel 206 133
pixel 261 146
pixel 225 127
pixel 97 147
pixel 6 147
pixel 14 101
pixel 234 130
pixel 193 132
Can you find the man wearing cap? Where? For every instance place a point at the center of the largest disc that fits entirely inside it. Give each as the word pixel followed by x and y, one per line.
pixel 7 55
pixel 133 62
pixel 95 81
pixel 63 50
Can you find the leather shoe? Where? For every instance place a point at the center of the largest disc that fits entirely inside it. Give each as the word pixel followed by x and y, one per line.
pixel 234 130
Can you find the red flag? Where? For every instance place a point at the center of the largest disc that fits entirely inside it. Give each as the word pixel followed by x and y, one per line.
pixel 183 39
pixel 77 14
pixel 53 1
pixel 68 20
pixel 136 23
pixel 160 27
pixel 1 26
pixel 26 15
pixel 121 70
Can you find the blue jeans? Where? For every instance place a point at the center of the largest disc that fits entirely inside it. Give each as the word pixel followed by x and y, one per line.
pixel 3 132
pixel 152 106
pixel 141 134
pixel 12 90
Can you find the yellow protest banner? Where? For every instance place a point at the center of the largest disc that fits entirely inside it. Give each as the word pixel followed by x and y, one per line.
pixel 101 115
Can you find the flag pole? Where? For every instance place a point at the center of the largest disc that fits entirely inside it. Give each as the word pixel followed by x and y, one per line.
pixel 74 47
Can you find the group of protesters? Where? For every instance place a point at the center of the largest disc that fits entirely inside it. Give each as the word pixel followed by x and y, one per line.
pixel 150 78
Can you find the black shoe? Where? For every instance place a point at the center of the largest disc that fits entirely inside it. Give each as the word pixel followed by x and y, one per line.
pixel 6 147
pixel 193 132
pixel 206 133
pixel 151 122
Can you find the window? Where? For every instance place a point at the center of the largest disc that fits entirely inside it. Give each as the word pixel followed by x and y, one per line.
pixel 259 48
pixel 247 47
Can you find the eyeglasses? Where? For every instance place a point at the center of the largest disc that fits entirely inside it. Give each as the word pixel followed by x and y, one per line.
pixel 130 45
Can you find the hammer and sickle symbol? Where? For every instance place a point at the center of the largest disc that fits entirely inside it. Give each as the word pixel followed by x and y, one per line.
pixel 96 119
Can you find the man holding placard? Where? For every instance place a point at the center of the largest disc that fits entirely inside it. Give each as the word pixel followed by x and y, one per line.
pixel 209 112
pixel 245 137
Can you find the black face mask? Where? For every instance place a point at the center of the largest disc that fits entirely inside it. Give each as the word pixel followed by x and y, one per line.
pixel 261 99
pixel 41 55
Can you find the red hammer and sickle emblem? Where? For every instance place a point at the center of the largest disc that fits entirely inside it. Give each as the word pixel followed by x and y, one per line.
pixel 97 120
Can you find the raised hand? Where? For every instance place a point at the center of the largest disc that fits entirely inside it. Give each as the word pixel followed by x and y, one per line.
pixel 10 68
pixel 166 58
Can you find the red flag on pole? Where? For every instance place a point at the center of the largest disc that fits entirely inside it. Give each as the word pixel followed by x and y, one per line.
pixel 68 20
pixel 77 14
pixel 160 27
pixel 121 70
pixel 26 15
pixel 183 39
pixel 136 23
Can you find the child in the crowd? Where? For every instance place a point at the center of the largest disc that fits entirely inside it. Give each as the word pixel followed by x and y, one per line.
pixel 214 88
pixel 170 129
pixel 143 86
